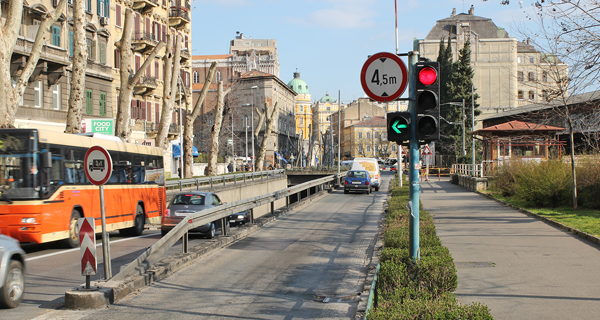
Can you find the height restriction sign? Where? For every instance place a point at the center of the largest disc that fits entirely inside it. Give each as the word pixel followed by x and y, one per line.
pixel 384 77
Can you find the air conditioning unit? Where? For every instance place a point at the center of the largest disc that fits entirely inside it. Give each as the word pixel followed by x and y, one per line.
pixel 104 21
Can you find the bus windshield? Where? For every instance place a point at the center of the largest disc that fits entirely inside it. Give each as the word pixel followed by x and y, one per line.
pixel 18 166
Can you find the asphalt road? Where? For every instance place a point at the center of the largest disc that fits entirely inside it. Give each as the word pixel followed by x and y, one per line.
pixel 310 263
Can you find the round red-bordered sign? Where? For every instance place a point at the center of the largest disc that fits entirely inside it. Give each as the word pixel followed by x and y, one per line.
pixel 98 165
pixel 384 77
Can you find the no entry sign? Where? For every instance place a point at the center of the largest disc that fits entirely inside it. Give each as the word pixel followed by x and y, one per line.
pixel 98 165
pixel 384 77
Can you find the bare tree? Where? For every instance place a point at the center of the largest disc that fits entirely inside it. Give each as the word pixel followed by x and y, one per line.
pixel 270 115
pixel 80 54
pixel 172 67
pixel 188 130
pixel 128 78
pixel 569 32
pixel 216 130
pixel 9 95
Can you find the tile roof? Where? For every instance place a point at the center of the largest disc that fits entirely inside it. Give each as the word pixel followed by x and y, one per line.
pixel 520 126
pixel 375 121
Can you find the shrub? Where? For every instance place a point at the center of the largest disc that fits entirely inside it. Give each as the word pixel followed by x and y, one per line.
pixel 588 183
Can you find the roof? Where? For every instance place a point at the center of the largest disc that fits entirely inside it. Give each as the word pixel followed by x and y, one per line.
pixel 255 73
pixel 212 57
pixel 519 126
pixel 328 98
pixel 297 84
pixel 374 122
pixel 484 27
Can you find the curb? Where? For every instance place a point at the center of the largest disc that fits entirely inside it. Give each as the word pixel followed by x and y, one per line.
pixel 577 232
pixel 110 292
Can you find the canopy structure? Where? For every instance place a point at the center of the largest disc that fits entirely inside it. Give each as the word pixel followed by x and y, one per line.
pixel 177 151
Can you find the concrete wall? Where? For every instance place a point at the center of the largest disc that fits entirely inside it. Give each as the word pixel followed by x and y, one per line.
pixel 471 183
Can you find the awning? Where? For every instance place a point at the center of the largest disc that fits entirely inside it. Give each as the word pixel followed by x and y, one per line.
pixel 282 158
pixel 177 151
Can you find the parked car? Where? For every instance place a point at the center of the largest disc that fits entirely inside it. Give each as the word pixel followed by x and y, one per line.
pixel 239 218
pixel 12 272
pixel 358 180
pixel 394 167
pixel 186 203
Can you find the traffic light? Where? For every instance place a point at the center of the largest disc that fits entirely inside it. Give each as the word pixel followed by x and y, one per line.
pixel 398 126
pixel 428 103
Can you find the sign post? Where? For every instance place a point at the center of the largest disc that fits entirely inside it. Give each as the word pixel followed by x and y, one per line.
pixel 98 169
pixel 87 246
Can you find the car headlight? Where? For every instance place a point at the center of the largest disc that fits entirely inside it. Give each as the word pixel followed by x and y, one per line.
pixel 28 220
pixel 241 217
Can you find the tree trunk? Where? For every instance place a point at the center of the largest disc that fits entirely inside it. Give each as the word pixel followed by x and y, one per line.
pixel 188 130
pixel 268 129
pixel 9 33
pixel 216 130
pixel 172 67
pixel 128 78
pixel 80 54
pixel 8 39
pixel 573 171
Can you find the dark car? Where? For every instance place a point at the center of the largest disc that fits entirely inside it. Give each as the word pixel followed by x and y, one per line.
pixel 186 203
pixel 357 180
pixel 239 218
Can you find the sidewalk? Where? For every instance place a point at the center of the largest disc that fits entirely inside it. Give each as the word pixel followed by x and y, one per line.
pixel 519 266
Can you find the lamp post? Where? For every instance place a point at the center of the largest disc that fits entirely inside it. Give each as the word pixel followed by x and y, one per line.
pixel 181 173
pixel 246 127
pixel 252 105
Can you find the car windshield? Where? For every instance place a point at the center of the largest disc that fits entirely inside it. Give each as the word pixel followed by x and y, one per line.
pixel 189 199
pixel 357 174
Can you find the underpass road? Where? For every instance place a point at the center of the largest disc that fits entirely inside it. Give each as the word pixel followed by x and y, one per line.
pixel 309 264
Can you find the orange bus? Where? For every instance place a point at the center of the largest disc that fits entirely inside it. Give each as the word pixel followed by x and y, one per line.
pixel 44 188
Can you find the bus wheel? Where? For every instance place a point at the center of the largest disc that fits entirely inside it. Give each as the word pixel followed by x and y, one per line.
pixel 138 224
pixel 73 237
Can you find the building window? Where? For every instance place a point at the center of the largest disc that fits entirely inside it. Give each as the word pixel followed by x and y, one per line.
pixel 531 95
pixel 519 59
pixel 368 135
pixel 545 95
pixel 38 95
pixel 531 60
pixel 102 103
pixel 393 147
pixel 56 36
pixel 71 43
pixel 383 136
pixel 103 8
pixel 520 76
pixel 368 148
pixel 328 108
pixel 196 75
pixel 360 148
pixel 118 16
pixel 117 58
pixel 360 135
pixel 89 102
pixel 103 51
pixel 545 76
pixel 301 121
pixel 520 95
pixel 531 76
pixel 91 47
pixel 56 97
pixel 88 5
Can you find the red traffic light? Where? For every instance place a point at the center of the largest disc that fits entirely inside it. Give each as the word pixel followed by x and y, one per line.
pixel 427 75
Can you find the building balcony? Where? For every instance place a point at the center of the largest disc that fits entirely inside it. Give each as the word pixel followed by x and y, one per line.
pixel 185 54
pixel 53 60
pixel 144 42
pixel 145 85
pixel 184 4
pixel 99 70
pixel 185 92
pixel 144 5
pixel 178 17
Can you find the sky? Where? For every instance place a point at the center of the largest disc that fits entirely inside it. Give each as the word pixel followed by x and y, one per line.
pixel 328 41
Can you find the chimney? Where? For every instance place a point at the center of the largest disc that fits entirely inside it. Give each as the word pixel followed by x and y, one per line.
pixel 471 10
pixel 453 12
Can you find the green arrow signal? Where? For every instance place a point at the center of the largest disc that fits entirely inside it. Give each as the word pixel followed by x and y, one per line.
pixel 397 127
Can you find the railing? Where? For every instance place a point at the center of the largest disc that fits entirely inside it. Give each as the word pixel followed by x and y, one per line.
pixel 475 170
pixel 243 177
pixel 179 13
pixel 147 36
pixel 147 81
pixel 156 252
pixel 174 128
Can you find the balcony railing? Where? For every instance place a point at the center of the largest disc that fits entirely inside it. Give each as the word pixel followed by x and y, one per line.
pixel 49 53
pixel 144 41
pixel 185 54
pixel 178 17
pixel 185 4
pixel 144 5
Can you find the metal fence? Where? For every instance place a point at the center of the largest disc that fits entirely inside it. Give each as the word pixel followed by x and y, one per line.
pixel 153 254
pixel 223 179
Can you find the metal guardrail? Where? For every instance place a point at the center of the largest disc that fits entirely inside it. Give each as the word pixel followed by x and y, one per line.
pixel 223 179
pixel 153 254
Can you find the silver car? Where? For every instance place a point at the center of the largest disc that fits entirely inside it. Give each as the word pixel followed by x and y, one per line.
pixel 12 272
pixel 186 203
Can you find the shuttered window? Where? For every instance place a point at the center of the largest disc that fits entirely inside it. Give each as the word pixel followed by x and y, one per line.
pixel 89 102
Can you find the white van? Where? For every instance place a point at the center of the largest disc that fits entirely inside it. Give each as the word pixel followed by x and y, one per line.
pixel 370 165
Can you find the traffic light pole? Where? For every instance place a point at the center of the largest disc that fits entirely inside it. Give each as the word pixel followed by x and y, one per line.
pixel 413 58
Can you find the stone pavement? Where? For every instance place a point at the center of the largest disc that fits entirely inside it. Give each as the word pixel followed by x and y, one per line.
pixel 519 266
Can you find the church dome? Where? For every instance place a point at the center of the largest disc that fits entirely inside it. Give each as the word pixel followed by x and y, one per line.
pixel 297 84
pixel 328 98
